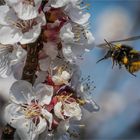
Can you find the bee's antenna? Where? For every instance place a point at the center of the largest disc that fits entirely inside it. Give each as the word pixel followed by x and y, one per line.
pixel 108 43
pixel 106 56
pixel 101 59
pixel 132 74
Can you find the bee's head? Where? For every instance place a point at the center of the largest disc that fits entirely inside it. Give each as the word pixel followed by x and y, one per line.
pixel 109 53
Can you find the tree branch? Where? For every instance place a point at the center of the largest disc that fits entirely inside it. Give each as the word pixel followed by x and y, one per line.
pixel 31 64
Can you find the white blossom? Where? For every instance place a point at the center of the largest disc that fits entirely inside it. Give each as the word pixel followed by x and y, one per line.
pixel 25 9
pixel 61 78
pixel 72 9
pixel 10 56
pixel 69 109
pixel 27 107
pixel 75 41
pixel 14 29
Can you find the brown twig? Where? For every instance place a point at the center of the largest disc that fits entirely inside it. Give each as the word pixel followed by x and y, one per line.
pixel 8 133
pixel 31 64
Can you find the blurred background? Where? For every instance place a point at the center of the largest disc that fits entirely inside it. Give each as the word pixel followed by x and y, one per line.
pixel 117 92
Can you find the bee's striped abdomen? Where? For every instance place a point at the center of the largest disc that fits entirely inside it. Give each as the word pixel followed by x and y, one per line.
pixel 134 67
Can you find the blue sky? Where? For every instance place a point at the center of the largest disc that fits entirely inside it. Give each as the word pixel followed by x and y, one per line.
pixel 102 71
pixel 110 82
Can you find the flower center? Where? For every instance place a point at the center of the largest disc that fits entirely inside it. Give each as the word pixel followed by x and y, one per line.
pixel 66 98
pixel 32 111
pixel 78 31
pixel 25 25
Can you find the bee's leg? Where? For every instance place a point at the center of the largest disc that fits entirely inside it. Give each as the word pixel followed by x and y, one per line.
pixel 120 66
pixel 113 62
pixel 132 74
pixel 128 69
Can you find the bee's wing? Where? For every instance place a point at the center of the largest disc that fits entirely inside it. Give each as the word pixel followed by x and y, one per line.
pixel 104 45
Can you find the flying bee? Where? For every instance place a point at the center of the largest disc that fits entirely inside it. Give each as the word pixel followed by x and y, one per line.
pixel 123 55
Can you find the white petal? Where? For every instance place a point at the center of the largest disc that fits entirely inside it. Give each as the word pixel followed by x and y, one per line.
pixel 65 76
pixel 47 62
pixel 91 105
pixel 72 50
pixel 89 42
pixel 66 33
pixel 62 78
pixel 57 80
pixel 68 53
pixel 48 116
pixel 37 3
pixel 41 19
pixel 91 39
pixel 78 50
pixel 59 3
pixel 44 64
pixel 21 92
pixel 58 110
pixel 11 2
pixel 27 130
pixel 5 72
pixel 25 11
pixel 51 50
pixel 72 110
pixel 18 70
pixel 5 68
pixel 6 15
pixel 32 35
pixel 56 63
pixel 76 77
pixel 9 35
pixel 77 15
pixel 13 115
pixel 44 93
pixel 17 55
pixel 41 126
pixel 41 77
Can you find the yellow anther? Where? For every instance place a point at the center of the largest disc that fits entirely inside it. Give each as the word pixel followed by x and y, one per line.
pixel 81 102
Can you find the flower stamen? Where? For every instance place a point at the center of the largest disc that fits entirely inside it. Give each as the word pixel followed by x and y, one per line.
pixel 25 25
pixel 32 111
pixel 78 31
